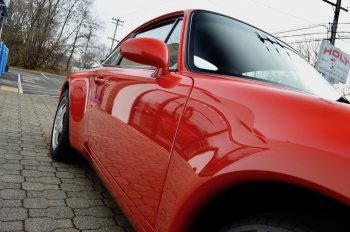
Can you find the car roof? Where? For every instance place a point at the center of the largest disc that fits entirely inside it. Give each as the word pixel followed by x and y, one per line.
pixel 188 12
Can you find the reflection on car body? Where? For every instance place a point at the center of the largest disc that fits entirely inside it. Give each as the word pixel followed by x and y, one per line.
pixel 200 122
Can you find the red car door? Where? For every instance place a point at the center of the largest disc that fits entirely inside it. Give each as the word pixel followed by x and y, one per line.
pixel 133 121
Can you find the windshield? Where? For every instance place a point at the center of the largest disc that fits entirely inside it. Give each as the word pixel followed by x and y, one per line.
pixel 222 45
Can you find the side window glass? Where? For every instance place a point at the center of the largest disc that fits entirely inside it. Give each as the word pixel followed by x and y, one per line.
pixel 113 58
pixel 173 45
pixel 157 33
pixel 160 32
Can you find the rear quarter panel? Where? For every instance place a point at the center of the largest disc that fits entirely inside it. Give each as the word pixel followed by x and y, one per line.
pixel 235 131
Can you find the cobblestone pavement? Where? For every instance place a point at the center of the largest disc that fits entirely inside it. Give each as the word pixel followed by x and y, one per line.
pixel 38 193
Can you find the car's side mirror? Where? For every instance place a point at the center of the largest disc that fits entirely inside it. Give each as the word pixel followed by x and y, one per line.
pixel 147 51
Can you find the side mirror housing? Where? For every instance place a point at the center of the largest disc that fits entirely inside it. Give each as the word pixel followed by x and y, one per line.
pixel 148 51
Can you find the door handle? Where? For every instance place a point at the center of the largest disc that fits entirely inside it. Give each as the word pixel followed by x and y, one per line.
pixel 99 80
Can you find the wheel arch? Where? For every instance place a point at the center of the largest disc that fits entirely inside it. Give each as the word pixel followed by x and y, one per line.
pixel 260 193
pixel 205 205
pixel 256 197
pixel 64 87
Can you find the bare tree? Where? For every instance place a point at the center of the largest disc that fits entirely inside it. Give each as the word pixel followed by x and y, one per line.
pixel 63 33
pixel 102 51
pixel 90 33
pixel 309 50
pixel 95 54
pixel 343 89
pixel 82 18
pixel 46 33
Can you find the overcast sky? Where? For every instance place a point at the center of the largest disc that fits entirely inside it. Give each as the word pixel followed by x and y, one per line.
pixel 269 15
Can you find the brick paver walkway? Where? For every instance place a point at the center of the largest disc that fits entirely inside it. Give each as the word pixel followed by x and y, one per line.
pixel 38 193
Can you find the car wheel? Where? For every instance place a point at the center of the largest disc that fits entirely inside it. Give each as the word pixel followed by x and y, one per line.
pixel 60 148
pixel 285 222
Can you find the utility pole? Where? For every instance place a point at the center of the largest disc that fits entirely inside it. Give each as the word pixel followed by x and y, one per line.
pixel 117 23
pixel 336 17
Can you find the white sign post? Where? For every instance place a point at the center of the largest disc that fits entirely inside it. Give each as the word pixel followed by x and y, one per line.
pixel 333 63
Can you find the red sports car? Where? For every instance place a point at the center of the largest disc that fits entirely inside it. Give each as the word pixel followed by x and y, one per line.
pixel 200 122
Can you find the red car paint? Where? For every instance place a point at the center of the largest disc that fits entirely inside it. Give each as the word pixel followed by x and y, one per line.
pixel 166 146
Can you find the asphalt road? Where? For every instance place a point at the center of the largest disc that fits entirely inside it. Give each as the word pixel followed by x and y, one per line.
pixel 27 82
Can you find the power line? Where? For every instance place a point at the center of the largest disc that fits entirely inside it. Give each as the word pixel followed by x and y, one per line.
pixel 288 36
pixel 226 9
pixel 143 8
pixel 282 12
pixel 307 27
pixel 138 19
pixel 316 33
pixel 302 28
pixel 313 40
pixel 306 41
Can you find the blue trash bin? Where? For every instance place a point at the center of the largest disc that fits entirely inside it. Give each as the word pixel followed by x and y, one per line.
pixel 6 58
pixel 4 55
pixel 1 56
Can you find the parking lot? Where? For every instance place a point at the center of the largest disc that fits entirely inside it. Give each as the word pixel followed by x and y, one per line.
pixel 38 193
pixel 30 82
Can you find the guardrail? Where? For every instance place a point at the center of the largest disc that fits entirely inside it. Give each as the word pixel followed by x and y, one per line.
pixel 4 53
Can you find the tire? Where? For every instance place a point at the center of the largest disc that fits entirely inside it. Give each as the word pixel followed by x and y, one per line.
pixel 286 222
pixel 60 148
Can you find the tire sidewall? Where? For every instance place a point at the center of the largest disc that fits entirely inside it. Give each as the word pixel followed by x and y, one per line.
pixel 63 145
